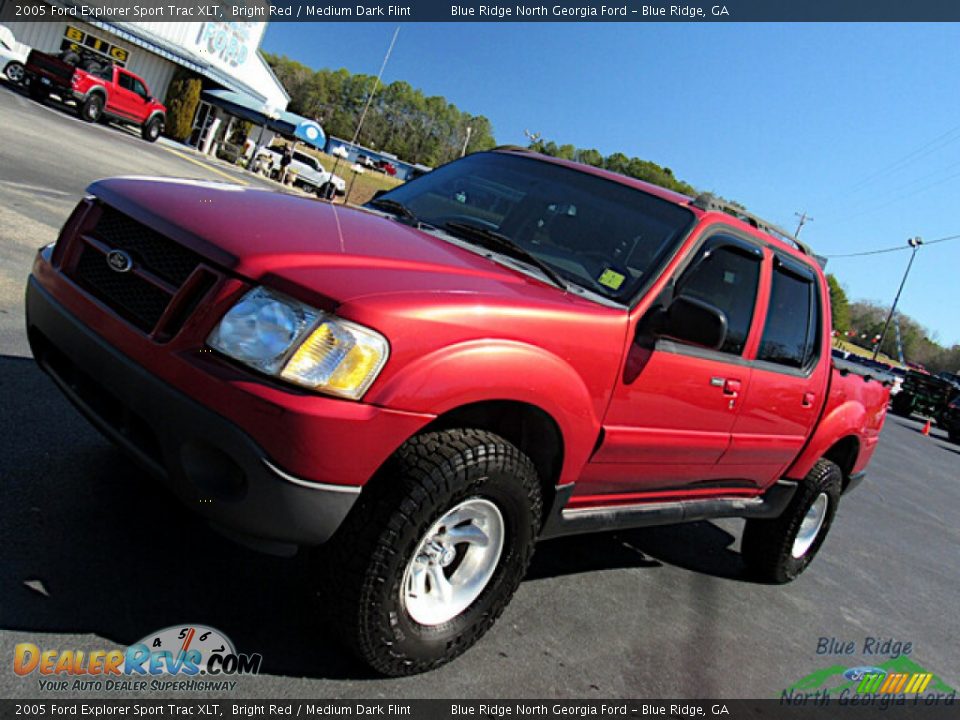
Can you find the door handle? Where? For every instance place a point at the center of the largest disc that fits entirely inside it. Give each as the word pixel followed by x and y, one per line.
pixel 808 398
pixel 731 387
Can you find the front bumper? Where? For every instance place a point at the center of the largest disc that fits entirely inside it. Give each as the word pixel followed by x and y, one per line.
pixel 207 460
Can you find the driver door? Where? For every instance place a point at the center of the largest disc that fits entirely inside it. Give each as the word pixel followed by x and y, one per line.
pixel 671 416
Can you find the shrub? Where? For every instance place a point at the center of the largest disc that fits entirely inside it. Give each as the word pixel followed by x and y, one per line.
pixel 183 96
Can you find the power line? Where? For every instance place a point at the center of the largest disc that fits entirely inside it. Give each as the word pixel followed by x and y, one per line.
pixel 930 147
pixel 898 248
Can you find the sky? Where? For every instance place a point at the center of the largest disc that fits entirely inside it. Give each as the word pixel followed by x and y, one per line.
pixel 856 124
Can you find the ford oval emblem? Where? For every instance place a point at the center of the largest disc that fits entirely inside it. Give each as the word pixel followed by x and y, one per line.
pixel 119 261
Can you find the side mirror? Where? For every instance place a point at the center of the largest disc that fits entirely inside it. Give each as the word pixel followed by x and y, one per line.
pixel 379 193
pixel 694 321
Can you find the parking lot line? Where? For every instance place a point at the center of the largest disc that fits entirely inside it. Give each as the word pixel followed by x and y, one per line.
pixel 229 177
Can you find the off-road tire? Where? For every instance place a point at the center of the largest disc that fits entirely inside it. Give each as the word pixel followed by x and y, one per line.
pixel 91 109
pixel 767 545
pixel 366 559
pixel 151 129
pixel 902 405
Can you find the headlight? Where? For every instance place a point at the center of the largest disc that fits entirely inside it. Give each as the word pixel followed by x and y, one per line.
pixel 280 336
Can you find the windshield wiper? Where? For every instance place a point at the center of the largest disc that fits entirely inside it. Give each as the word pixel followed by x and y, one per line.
pixel 394 207
pixel 498 241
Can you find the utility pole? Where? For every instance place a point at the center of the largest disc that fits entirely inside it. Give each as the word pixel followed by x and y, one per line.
pixel 914 243
pixel 466 141
pixel 533 137
pixel 803 221
pixel 373 90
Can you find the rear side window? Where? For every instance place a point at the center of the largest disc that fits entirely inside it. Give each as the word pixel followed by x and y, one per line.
pixel 306 160
pixel 125 81
pixel 726 276
pixel 790 332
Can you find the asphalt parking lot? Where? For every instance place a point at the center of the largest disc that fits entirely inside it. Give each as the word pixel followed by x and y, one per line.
pixel 92 556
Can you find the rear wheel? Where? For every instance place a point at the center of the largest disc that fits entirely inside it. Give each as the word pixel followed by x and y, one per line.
pixel 91 109
pixel 37 93
pixel 14 72
pixel 152 129
pixel 778 550
pixel 902 404
pixel 431 555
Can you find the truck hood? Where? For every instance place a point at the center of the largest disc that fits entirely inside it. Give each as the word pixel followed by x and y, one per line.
pixel 289 241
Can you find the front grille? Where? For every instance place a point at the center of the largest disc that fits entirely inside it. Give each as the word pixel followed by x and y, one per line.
pixel 158 277
pixel 127 293
pixel 148 248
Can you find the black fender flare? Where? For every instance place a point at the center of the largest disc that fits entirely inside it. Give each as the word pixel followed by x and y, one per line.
pixel 156 114
pixel 96 90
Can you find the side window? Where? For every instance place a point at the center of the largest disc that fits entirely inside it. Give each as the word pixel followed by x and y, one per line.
pixel 139 89
pixel 791 328
pixel 125 81
pixel 726 276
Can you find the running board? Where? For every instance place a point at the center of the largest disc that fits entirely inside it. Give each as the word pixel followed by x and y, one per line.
pixel 621 517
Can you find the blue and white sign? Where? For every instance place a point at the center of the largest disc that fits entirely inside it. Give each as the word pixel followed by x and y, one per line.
pixel 311 133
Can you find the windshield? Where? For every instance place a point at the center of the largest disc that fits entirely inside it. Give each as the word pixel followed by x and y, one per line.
pixel 597 233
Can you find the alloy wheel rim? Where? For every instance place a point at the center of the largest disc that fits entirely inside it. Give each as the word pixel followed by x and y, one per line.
pixel 810 526
pixel 453 563
pixel 15 73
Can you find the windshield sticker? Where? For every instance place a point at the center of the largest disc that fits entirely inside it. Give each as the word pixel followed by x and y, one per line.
pixel 611 279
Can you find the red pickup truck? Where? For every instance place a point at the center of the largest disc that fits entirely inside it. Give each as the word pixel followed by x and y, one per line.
pixel 508 348
pixel 99 88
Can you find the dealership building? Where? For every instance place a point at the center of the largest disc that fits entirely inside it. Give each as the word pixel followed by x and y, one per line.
pixel 237 81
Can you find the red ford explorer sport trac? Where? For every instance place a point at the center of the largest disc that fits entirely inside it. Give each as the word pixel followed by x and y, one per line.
pixel 511 347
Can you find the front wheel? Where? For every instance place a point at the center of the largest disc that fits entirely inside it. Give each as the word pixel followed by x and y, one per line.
pixel 778 550
pixel 434 550
pixel 152 129
pixel 15 72
pixel 91 109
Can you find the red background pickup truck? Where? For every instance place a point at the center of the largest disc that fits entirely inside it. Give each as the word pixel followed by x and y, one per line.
pixel 99 88
pixel 510 347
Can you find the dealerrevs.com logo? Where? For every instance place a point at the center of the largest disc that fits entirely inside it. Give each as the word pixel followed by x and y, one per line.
pixel 177 658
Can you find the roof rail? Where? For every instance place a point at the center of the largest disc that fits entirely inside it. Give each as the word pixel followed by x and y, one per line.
pixel 710 202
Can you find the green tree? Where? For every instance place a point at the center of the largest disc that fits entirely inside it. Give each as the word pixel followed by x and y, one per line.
pixel 590 157
pixel 183 97
pixel 839 305
pixel 617 162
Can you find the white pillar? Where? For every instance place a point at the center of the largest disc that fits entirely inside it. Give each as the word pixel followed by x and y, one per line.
pixel 208 147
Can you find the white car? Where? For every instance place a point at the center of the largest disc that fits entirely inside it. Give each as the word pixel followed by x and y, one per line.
pixel 310 173
pixel 13 56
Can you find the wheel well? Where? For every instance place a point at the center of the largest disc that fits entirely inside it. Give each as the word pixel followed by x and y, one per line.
pixel 528 427
pixel 97 91
pixel 844 453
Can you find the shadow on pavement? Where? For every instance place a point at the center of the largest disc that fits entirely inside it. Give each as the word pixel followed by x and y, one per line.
pixel 701 547
pixel 91 544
